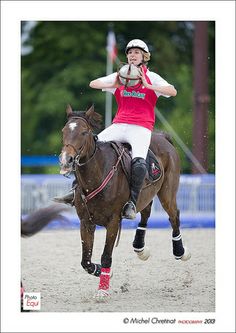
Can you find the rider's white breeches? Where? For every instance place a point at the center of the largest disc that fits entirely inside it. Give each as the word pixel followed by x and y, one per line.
pixel 137 136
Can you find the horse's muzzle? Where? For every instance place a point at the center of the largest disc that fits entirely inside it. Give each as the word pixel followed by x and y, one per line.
pixel 66 163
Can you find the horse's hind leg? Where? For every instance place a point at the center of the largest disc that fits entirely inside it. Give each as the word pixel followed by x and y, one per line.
pixel 139 239
pixel 167 197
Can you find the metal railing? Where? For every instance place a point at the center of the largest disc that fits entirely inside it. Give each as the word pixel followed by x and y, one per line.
pixel 196 194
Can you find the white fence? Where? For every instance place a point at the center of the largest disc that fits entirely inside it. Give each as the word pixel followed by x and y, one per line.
pixel 196 193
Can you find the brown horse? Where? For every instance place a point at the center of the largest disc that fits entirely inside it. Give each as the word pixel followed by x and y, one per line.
pixel 103 189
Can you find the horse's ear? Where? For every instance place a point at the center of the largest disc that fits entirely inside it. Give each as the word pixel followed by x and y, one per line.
pixel 93 117
pixel 69 110
pixel 90 111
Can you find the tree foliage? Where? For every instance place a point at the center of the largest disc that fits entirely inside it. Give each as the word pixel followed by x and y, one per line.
pixel 66 56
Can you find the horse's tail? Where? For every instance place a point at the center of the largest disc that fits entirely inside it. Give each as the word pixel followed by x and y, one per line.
pixel 167 136
pixel 37 220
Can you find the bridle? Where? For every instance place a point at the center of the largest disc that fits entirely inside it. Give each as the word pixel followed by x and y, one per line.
pixel 75 160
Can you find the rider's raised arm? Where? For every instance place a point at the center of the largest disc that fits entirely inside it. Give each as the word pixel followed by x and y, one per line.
pixel 110 81
pixel 98 84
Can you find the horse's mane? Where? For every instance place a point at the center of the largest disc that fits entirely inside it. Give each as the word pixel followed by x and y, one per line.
pixel 94 119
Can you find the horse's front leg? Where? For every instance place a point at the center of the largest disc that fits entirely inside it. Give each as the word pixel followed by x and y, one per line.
pixel 106 260
pixel 87 237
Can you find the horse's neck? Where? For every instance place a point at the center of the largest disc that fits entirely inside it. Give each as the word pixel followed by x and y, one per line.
pixel 92 173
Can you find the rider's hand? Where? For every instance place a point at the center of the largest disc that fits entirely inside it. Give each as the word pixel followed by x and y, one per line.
pixel 142 77
pixel 117 82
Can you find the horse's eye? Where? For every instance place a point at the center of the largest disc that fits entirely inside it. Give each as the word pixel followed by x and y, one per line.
pixel 84 133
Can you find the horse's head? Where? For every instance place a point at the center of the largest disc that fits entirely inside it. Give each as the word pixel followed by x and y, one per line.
pixel 78 138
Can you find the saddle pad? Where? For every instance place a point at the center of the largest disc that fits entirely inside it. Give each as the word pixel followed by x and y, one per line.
pixel 153 167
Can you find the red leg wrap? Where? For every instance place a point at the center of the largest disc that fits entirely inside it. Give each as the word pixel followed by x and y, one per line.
pixel 104 279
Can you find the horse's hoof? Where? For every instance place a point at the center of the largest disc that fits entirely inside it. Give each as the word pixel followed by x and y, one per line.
pixel 102 295
pixel 187 255
pixel 144 254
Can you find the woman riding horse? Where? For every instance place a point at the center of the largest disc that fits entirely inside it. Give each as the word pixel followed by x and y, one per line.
pixel 135 116
pixel 102 171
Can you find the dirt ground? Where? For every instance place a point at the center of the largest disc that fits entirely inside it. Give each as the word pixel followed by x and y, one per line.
pixel 51 265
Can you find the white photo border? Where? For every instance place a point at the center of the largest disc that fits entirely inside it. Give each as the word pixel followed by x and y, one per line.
pixel 12 13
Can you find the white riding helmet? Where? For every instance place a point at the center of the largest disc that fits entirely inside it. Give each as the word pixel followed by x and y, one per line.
pixel 138 43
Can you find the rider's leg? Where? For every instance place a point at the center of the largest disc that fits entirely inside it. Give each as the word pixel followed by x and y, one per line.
pixel 139 138
pixel 114 132
pixel 69 197
pixel 138 172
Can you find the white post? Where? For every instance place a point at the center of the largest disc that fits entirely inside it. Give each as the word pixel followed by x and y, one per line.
pixel 108 109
